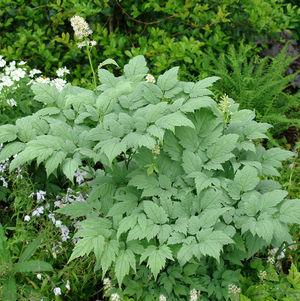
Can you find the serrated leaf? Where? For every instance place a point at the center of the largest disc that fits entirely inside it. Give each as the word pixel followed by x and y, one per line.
pixel 290 212
pixel 148 184
pixel 112 148
pixel 173 120
pixel 8 133
pixel 54 161
pixel 11 149
pixel 156 258
pixel 220 151
pixel 168 80
pixel 76 209
pixel 45 93
pixel 124 261
pixel 136 68
pixel 155 213
pixel 83 247
pixel 122 207
pixel 69 167
pixel 110 251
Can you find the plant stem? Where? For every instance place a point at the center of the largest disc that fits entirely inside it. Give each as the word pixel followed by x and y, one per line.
pixel 91 65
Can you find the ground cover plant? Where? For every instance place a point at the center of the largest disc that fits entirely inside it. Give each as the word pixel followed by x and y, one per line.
pixel 137 186
pixel 181 191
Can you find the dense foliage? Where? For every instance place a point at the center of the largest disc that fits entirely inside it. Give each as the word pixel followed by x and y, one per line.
pixel 165 32
pixel 182 179
pixel 128 186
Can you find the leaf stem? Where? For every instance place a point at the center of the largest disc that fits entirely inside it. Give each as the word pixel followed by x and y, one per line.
pixel 88 51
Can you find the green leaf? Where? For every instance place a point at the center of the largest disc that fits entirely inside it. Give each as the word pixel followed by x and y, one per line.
pixel 136 69
pixel 83 247
pixel 124 261
pixel 155 213
pixel 11 149
pixel 172 120
pixel 32 266
pixel 54 161
pixel 123 207
pixel 156 258
pixel 8 133
pixel 45 93
pixel 211 242
pixel 30 250
pixel 112 148
pixel 168 80
pixel 76 209
pixel 220 151
pixel 264 229
pixel 69 167
pixel 199 88
pixel 148 184
pixel 109 253
pixel 290 212
pixel 108 62
pixel 9 289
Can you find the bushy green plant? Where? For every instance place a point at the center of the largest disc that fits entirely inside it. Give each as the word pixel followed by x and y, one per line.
pixel 166 32
pixel 258 83
pixel 181 191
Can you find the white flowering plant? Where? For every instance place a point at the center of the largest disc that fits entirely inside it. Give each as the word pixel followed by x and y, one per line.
pixel 16 97
pixel 182 191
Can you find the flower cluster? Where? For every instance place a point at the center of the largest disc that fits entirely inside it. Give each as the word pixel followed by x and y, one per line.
pixel 162 298
pixel 262 275
pixel 11 74
pixel 82 31
pixel 194 295
pixel 233 290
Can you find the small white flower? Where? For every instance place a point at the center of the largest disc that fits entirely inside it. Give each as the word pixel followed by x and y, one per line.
pixel 115 297
pixel 40 195
pixel 81 27
pixel 11 102
pixel 2 62
pixel 64 233
pixel 79 177
pixel 107 284
pixel 22 63
pixel 51 217
pixel 58 83
pixel 57 291
pixel 39 276
pixel 62 71
pixel 233 289
pixel 162 298
pixel 58 223
pixel 6 81
pixel 58 204
pixel 33 72
pixel 27 218
pixel 17 74
pixel 38 211
pixel 150 78
pixel 42 80
pixel 93 43
pixel 68 287
pixel 194 295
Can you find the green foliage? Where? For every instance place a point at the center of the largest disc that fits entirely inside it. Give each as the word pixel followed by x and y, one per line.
pixel 258 83
pixel 183 181
pixel 266 283
pixel 9 269
pixel 167 33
